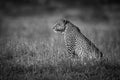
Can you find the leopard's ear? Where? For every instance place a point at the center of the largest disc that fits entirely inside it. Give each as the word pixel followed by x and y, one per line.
pixel 65 21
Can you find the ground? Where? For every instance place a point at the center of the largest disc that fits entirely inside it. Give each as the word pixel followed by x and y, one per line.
pixel 30 50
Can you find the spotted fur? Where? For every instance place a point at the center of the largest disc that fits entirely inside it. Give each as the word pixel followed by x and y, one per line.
pixel 76 43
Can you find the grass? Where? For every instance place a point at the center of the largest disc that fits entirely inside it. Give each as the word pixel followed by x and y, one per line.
pixel 29 50
pixel 23 59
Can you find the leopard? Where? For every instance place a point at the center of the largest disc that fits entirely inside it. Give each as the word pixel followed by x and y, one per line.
pixel 77 44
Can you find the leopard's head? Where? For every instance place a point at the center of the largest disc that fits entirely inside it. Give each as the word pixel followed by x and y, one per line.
pixel 60 25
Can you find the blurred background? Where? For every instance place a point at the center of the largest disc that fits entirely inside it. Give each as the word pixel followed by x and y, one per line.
pixel 95 13
pixel 28 45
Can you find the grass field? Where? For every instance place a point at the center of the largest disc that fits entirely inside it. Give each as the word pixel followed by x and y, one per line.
pixel 30 50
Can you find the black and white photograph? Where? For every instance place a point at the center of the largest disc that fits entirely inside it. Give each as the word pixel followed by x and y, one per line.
pixel 59 40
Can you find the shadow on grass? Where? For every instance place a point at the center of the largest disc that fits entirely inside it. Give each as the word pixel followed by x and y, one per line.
pixel 60 72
